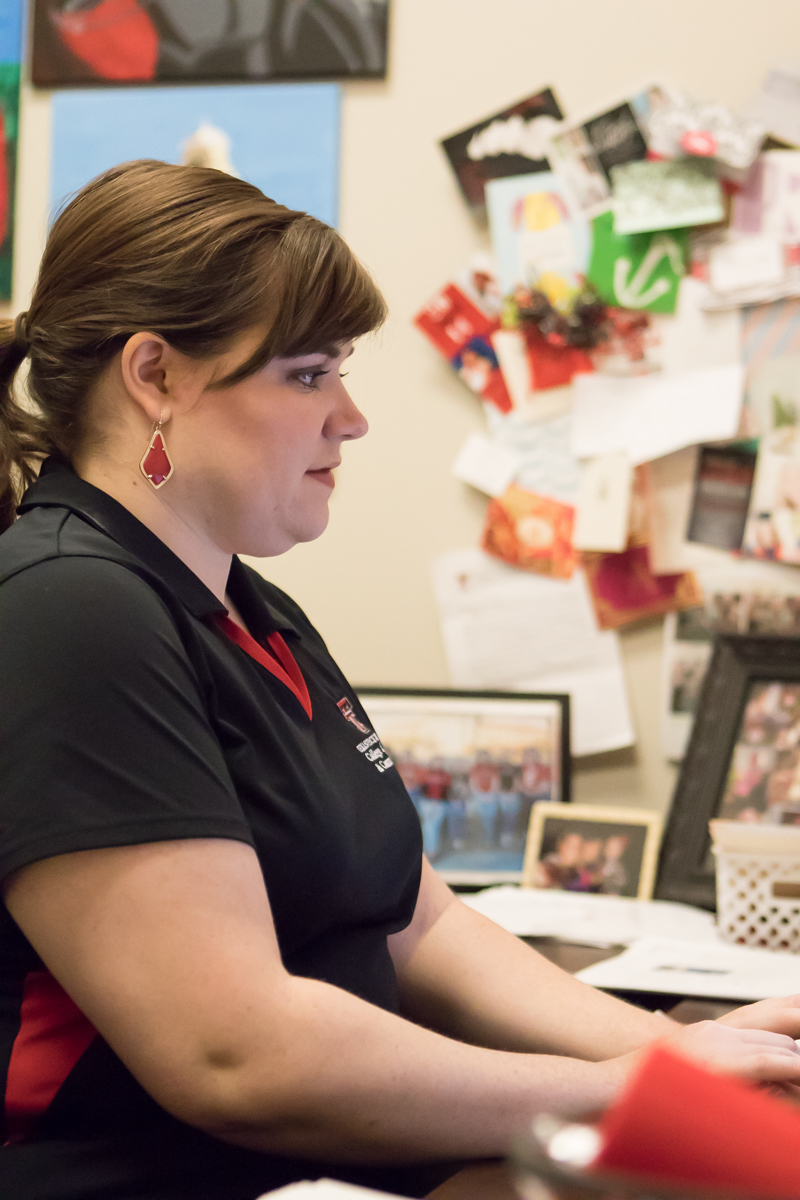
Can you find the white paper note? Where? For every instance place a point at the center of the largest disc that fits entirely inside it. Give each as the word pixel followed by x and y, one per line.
pixel 698 968
pixel 549 467
pixel 746 262
pixel 509 346
pixel 589 920
pixel 485 464
pixel 777 103
pixel 510 629
pixel 652 416
pixel 692 337
pixel 603 504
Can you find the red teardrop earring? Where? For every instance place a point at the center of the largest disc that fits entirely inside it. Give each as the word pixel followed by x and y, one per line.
pixel 156 464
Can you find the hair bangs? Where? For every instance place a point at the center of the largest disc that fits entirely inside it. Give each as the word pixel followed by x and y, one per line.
pixel 317 297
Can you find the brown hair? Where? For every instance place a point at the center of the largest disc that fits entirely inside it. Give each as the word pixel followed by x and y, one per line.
pixel 190 253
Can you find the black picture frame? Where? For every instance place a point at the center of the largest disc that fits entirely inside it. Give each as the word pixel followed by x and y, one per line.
pixel 737 662
pixel 477 862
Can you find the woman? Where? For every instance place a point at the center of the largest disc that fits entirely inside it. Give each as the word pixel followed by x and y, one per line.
pixel 223 963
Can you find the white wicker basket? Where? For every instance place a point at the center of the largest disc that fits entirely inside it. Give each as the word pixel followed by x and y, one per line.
pixel 758 884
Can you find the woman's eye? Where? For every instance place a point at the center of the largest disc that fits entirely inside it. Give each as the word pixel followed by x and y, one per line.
pixel 309 378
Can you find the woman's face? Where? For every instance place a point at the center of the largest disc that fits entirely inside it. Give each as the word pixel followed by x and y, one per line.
pixel 254 462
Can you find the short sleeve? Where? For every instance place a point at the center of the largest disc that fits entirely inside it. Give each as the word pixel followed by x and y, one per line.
pixel 104 735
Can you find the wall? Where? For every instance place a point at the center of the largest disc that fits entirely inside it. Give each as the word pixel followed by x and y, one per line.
pixel 366 582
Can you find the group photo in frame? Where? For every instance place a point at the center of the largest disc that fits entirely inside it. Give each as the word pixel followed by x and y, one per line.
pixel 593 849
pixel 743 760
pixel 474 765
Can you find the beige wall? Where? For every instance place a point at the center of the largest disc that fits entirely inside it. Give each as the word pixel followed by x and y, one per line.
pixel 366 582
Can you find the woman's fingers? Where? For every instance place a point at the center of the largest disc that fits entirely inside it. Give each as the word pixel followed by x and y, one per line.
pixel 758 1055
pixel 780 1014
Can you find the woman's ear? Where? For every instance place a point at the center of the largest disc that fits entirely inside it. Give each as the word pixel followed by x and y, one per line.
pixel 148 368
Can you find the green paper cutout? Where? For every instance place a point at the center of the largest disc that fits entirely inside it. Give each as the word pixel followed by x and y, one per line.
pixel 637 270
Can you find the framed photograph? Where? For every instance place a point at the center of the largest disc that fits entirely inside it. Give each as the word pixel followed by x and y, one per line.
pixel 112 42
pixel 743 759
pixel 588 848
pixel 474 764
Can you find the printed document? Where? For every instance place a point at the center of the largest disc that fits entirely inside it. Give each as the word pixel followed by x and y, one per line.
pixel 513 630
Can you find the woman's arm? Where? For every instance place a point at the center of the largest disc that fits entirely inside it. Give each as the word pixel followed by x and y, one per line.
pixel 463 975
pixel 170 951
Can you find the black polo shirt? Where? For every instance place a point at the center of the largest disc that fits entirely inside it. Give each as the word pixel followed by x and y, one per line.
pixel 128 716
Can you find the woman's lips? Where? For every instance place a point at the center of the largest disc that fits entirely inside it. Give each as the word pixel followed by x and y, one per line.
pixel 324 475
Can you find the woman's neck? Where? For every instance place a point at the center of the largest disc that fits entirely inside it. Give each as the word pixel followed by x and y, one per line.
pixel 184 537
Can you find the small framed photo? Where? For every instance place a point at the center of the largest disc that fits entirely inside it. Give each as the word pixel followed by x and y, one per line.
pixel 743 760
pixel 588 848
pixel 474 764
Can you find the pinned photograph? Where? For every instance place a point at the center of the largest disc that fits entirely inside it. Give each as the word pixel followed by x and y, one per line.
pixel 764 779
pixel 474 763
pixel 512 142
pixel 584 150
pixel 584 848
pixel 176 41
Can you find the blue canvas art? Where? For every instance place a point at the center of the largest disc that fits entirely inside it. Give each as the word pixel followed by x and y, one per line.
pixel 284 138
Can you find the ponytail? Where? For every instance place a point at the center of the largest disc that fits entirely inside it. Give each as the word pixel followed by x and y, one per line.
pixel 23 442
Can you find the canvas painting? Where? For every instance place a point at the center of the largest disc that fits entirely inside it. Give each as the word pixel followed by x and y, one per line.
pixel 112 42
pixel 10 39
pixel 284 138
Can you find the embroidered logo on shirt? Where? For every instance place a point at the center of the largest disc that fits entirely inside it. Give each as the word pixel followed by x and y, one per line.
pixel 374 752
pixel 347 711
pixel 371 746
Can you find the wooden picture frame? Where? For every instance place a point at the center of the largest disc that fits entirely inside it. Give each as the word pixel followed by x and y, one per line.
pixel 739 667
pixel 474 763
pixel 627 870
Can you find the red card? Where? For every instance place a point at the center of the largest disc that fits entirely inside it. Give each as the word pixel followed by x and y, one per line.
pixel 462 333
pixel 552 366
pixel 624 589
pixel 684 1125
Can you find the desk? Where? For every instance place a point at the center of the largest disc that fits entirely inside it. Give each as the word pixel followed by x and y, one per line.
pixel 573 958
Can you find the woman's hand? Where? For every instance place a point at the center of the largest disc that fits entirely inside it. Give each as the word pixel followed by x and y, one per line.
pixel 780 1014
pixel 754 1054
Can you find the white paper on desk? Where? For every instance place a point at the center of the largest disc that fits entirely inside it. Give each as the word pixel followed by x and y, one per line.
pixel 486 464
pixel 654 415
pixel 588 919
pixel 698 968
pixel 510 629
pixel 603 504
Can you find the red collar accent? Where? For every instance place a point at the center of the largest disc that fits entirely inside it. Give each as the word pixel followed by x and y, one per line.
pixel 280 662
